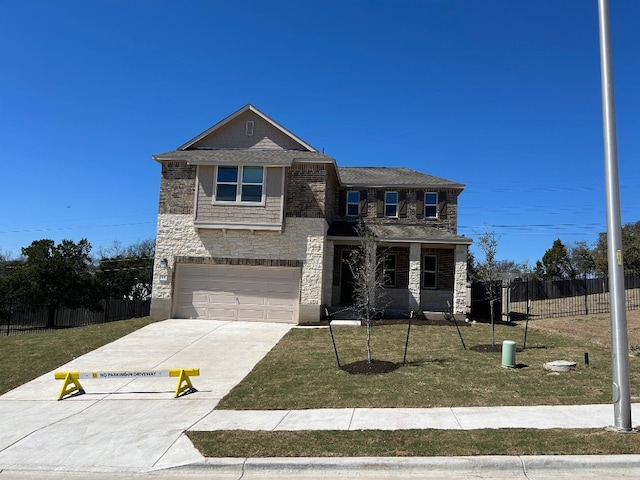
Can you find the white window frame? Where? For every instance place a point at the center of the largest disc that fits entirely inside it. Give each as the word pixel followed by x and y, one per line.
pixel 434 272
pixel 434 205
pixel 239 184
pixel 390 275
pixel 396 204
pixel 351 203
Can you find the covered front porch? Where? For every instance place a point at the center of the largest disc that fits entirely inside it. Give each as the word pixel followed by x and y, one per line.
pixel 421 274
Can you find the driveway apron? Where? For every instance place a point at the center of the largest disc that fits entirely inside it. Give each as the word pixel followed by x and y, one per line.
pixel 131 424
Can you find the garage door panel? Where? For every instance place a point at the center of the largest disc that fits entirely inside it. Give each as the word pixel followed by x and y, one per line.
pixel 221 297
pixel 251 300
pixel 251 314
pixel 226 292
pixel 220 313
pixel 279 315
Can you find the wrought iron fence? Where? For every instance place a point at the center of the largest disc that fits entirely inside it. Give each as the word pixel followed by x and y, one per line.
pixel 561 298
pixel 31 321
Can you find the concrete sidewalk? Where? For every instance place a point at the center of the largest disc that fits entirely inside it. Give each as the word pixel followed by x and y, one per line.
pixel 124 428
pixel 458 418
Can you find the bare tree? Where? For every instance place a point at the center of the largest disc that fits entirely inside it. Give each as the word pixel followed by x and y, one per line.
pixel 487 270
pixel 367 268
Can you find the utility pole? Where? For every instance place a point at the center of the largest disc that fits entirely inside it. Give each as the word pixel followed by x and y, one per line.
pixel 619 340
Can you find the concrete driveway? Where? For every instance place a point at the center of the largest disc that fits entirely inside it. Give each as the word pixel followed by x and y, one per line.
pixel 130 425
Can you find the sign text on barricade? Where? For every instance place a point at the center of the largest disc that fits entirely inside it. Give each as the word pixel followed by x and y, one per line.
pixel 72 384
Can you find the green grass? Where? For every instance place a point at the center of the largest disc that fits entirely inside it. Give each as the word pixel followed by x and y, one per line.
pixel 301 371
pixel 377 443
pixel 27 356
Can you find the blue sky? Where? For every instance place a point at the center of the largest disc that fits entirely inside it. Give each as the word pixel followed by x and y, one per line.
pixel 501 95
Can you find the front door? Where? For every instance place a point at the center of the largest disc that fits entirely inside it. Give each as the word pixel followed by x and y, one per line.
pixel 346 279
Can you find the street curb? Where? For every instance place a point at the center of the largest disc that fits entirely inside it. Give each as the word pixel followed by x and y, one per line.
pixel 518 465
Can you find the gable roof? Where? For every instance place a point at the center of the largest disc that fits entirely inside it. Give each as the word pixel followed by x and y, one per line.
pixel 230 118
pixel 392 177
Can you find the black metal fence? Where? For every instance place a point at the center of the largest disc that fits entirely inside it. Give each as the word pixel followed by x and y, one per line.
pixel 31 321
pixel 561 298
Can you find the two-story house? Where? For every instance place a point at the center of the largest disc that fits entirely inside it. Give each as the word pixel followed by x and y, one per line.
pixel 254 224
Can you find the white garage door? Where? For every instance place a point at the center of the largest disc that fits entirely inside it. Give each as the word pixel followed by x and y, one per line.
pixel 229 292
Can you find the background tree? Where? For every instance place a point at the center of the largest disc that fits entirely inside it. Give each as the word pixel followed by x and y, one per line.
pixel 8 295
pixel 555 263
pixel 472 267
pixel 630 249
pixel 508 269
pixel 581 258
pixel 55 276
pixel 487 270
pixel 127 272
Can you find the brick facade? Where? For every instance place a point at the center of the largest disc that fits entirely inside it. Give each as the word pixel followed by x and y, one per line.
pixel 306 188
pixel 177 188
pixel 410 204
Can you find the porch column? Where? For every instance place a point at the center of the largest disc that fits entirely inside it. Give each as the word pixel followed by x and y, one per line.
pixel 415 274
pixel 460 279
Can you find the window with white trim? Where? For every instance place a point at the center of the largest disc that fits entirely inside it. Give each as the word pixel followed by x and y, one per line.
pixel 389 270
pixel 431 205
pixel 429 271
pixel 353 203
pixel 390 204
pixel 243 184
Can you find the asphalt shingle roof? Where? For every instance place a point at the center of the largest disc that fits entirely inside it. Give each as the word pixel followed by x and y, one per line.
pixel 251 156
pixel 391 176
pixel 399 232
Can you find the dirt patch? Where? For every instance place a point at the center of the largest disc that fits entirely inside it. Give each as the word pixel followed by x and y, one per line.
pixel 589 328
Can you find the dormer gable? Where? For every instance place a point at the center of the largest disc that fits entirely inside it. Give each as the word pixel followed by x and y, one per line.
pixel 247 128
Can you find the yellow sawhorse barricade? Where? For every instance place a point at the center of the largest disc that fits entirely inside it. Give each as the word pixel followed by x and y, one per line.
pixel 72 383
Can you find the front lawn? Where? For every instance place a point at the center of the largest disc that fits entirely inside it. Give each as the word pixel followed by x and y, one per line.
pixel 27 356
pixel 301 371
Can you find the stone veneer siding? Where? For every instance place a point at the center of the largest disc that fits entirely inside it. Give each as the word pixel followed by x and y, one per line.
pixel 460 280
pixel 302 240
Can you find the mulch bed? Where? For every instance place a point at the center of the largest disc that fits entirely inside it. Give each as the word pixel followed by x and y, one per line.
pixel 422 321
pixel 362 367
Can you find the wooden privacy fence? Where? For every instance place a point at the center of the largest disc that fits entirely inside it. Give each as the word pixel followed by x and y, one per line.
pixel 30 321
pixel 561 298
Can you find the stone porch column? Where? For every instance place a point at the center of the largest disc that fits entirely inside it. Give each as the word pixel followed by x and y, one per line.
pixel 415 274
pixel 460 279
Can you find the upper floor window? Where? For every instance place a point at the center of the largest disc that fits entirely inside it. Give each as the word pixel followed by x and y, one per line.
pixel 429 271
pixel 431 205
pixel 353 203
pixel 239 184
pixel 390 204
pixel 389 270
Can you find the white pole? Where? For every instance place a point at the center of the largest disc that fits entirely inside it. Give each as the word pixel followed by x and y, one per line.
pixel 619 341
